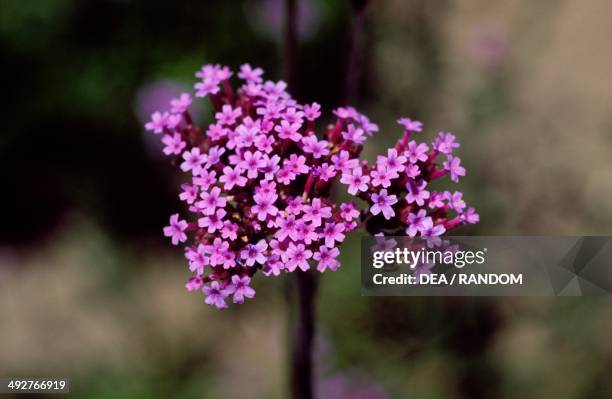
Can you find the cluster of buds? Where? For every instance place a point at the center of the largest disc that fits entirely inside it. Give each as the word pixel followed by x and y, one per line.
pixel 260 180
pixel 397 187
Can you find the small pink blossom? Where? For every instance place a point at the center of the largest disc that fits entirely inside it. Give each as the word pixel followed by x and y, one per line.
pixel 333 232
pixel 180 104
pixel 240 289
pixel 312 111
pixel 298 257
pixel 176 229
pixel 215 295
pixel 382 202
pixel 327 258
pixel 356 181
pixel 174 144
pixel 410 125
pixel 193 161
pixel 254 253
pixel 249 74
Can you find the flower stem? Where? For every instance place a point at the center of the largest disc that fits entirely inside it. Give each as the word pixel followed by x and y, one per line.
pixel 302 334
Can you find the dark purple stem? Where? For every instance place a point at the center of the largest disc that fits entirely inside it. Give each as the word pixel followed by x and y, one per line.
pixel 302 298
pixel 356 52
pixel 290 44
pixel 303 333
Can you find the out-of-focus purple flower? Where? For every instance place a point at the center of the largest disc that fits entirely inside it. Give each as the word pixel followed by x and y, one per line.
pixel 180 104
pixel 410 125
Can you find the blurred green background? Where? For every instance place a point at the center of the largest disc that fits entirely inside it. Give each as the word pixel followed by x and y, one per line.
pixel 90 290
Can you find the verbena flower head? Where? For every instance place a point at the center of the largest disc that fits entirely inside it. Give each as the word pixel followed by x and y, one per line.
pixel 259 179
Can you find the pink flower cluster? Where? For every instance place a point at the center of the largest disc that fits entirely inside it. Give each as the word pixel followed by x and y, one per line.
pixel 260 179
pixel 398 192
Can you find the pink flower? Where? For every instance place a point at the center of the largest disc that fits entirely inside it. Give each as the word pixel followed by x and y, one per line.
pixel 455 200
pixel 326 172
pixel 270 166
pixel 295 205
pixel 342 162
pixel 393 163
pixel 297 164
pixel 228 115
pixel 232 177
pixel 240 288
pixel 298 257
pixel 470 216
pixel 356 181
pixel 180 105
pixel 315 147
pixel 194 283
pixel 287 227
pixel 410 125
pixel 445 143
pixel 415 222
pixel 211 200
pixel 348 211
pixel 197 259
pixel 252 162
pixel 216 132
pixel 215 295
pixel 214 155
pixel 206 87
pixel 312 111
pixel 206 179
pixel 249 74
pixel 254 253
pixel 285 176
pixel 431 230
pixel 416 192
pixel 316 211
pixel 157 123
pixel 193 161
pixel 214 221
pixel 382 202
pixel 416 152
pixel 453 165
pixel 306 232
pixel 264 206
pixel 289 131
pixel 189 194
pixel 327 258
pixel 381 177
pixel 174 144
pixel 176 230
pixel 229 230
pixel 333 232
pixel 247 136
pixel 356 135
